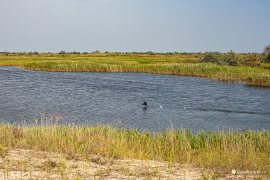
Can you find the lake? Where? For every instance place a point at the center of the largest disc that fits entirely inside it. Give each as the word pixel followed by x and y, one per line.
pixel 116 99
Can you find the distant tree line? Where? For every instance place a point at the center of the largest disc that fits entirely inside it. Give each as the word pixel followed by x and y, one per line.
pixel 99 52
pixel 231 58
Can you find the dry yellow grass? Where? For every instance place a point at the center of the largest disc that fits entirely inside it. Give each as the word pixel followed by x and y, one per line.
pixel 215 150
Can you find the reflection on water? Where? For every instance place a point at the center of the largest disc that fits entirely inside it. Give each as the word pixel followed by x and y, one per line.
pixel 94 98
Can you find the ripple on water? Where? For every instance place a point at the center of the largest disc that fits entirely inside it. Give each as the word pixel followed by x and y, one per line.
pixel 116 98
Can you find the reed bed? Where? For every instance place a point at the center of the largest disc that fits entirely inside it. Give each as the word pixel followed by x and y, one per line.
pixel 182 65
pixel 245 150
pixel 249 75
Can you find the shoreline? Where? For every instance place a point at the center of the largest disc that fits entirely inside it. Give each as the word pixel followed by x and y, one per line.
pixel 181 65
pixel 219 152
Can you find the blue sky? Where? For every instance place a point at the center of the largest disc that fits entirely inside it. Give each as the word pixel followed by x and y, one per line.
pixel 134 25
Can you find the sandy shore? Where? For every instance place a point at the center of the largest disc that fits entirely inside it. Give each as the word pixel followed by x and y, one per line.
pixel 28 164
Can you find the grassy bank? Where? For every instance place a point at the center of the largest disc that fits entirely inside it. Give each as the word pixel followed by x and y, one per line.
pixel 256 74
pixel 248 150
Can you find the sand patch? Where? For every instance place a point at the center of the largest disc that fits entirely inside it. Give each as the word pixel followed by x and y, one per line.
pixel 29 164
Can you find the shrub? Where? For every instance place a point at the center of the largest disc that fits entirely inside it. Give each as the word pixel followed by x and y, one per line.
pixel 213 57
pixel 62 52
pixel 250 59
pixel 266 54
pixel 96 52
pixel 74 52
pixel 229 59
pixel 149 53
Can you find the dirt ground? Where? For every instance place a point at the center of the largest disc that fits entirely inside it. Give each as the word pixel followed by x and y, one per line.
pixel 28 164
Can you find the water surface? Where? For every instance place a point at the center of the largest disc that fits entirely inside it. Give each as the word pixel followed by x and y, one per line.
pixel 116 98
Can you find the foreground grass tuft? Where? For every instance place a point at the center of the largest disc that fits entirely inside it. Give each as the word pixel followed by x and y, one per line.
pixel 247 150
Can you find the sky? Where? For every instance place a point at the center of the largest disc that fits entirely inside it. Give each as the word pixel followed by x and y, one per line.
pixel 134 25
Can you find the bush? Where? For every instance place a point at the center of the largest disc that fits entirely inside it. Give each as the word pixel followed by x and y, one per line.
pixel 250 59
pixel 229 59
pixel 62 52
pixel 266 54
pixel 212 57
pixel 96 52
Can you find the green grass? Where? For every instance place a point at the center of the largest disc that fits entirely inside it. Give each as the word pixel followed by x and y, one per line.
pixel 248 150
pixel 174 64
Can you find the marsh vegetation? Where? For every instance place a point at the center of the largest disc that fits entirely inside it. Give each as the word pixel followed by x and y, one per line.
pixel 249 68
